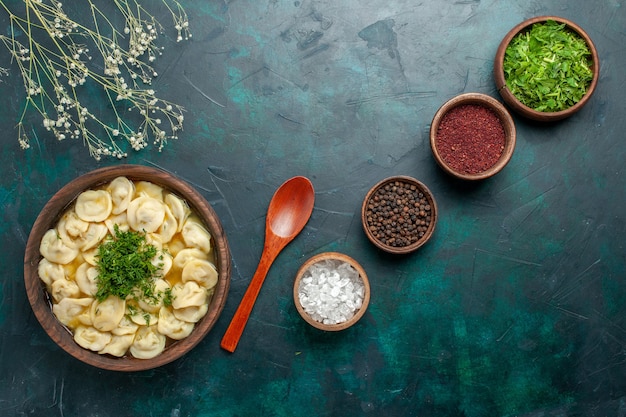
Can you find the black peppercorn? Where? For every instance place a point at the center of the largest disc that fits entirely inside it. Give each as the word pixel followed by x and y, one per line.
pixel 402 214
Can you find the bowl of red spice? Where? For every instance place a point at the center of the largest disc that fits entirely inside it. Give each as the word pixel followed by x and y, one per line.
pixel 546 68
pixel 472 136
pixel 399 214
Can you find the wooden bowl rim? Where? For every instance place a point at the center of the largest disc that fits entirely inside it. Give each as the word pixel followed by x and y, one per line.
pixel 510 133
pixel 339 257
pixel 48 217
pixel 431 227
pixel 512 101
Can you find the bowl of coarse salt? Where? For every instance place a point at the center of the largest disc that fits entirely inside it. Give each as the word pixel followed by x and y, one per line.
pixel 331 291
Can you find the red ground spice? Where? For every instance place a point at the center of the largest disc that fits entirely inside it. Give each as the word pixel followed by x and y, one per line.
pixel 470 138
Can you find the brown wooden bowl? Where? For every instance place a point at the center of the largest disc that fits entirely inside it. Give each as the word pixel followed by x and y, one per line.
pixel 505 119
pixel 512 101
pixel 368 221
pixel 48 218
pixel 339 258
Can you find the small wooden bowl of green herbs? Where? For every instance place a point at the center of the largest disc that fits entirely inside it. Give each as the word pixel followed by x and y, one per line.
pixel 156 268
pixel 546 68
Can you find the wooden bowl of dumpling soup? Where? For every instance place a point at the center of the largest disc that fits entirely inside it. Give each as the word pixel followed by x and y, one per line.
pixel 134 327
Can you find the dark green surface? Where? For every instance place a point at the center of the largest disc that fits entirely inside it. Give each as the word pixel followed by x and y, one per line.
pixel 515 308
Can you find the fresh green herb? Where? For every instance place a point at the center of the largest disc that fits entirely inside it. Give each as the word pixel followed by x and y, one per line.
pixel 548 68
pixel 125 266
pixel 132 310
pixel 167 297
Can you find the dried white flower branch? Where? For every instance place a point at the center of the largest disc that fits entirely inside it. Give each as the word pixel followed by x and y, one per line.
pixel 60 59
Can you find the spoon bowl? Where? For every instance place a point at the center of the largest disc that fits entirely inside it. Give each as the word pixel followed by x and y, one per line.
pixel 287 214
pixel 290 208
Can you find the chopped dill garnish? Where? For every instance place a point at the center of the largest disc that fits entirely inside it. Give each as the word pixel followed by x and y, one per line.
pixel 125 266
pixel 167 297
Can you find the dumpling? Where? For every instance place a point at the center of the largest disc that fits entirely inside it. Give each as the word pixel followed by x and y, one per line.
pixel 161 286
pixel 121 190
pixel 68 310
pixel 184 256
pixel 149 189
pixel 191 314
pixel 148 343
pixel 49 271
pixel 189 294
pixel 89 256
pixel 106 315
pixel 93 205
pixel 201 271
pixel 168 228
pixel 172 327
pixel 64 288
pixel 90 338
pixel 119 220
pixel 154 239
pixel 175 245
pixel 196 236
pixel 139 316
pixel 145 214
pixel 179 208
pixel 71 228
pixel 86 275
pixel 125 327
pixel 163 261
pixel 54 249
pixel 118 346
pixel 84 318
pixel 94 235
pixel 145 319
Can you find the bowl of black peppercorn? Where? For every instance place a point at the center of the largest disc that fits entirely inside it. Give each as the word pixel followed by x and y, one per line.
pixel 399 214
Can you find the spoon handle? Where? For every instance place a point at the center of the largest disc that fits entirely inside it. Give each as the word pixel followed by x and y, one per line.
pixel 239 320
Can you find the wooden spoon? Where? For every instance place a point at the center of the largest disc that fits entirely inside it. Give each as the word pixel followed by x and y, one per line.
pixel 288 212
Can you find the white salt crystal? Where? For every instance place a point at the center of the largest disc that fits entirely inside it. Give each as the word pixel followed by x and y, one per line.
pixel 331 291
